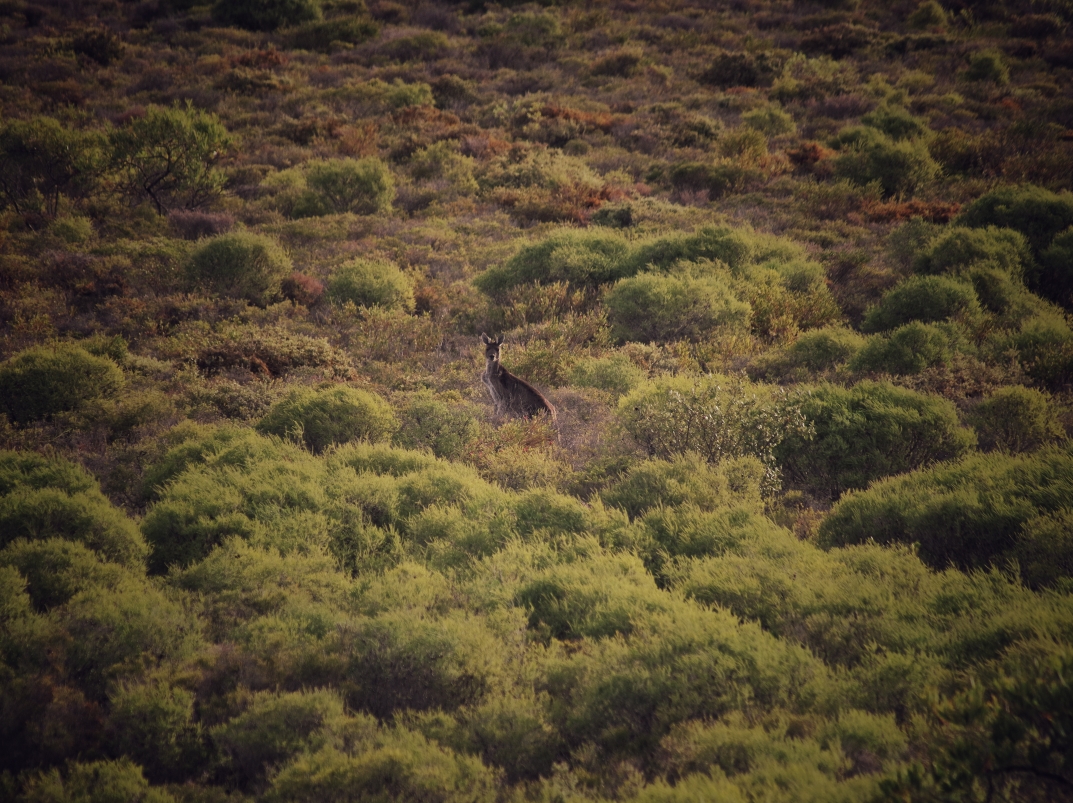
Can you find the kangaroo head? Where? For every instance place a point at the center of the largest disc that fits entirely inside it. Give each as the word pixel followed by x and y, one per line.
pixel 491 347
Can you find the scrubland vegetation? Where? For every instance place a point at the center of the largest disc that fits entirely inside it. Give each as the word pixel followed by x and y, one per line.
pixel 797 275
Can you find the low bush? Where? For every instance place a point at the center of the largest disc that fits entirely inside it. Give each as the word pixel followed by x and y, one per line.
pixel 578 257
pixel 361 186
pixel 42 381
pixel 56 569
pixel 426 422
pixel 1056 270
pixel 372 283
pixel 653 307
pixel 1016 419
pixel 153 723
pixel 717 417
pixel 960 248
pixel 989 66
pixel 823 349
pixel 897 123
pixel 772 121
pixel 900 167
pixel 926 299
pixel 617 374
pixel 968 514
pixel 323 35
pixel 239 265
pixel 908 349
pixel 329 416
pixel 866 432
pixel 265 15
pixel 93 782
pixel 1039 214
pixel 1044 346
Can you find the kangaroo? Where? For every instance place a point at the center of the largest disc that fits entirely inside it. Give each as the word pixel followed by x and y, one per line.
pixel 511 395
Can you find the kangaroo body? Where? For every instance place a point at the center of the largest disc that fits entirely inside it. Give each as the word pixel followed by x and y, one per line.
pixel 512 395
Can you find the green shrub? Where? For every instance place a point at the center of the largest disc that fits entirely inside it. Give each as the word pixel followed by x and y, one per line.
pixel 687 480
pixel 823 349
pixel 1045 348
pixel 716 417
pixel 323 35
pixel 429 423
pixel 908 349
pixel 900 167
pixel 1056 269
pixel 579 257
pixel 153 723
pixel 928 14
pixel 617 374
pixel 361 186
pixel 56 569
pixel 960 248
pixel 1016 419
pixel 896 122
pixel 869 431
pixel 240 265
pixel 966 514
pixel 41 381
pixel 923 298
pixel 1044 549
pixel 372 283
pixel 265 15
pixel 42 159
pixel 653 307
pixel 328 416
pixel 167 155
pixel 1039 214
pixel 274 728
pixel 93 782
pixel 988 65
pixel 772 121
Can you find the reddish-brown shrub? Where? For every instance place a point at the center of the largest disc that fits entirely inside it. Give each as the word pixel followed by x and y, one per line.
pixel 301 289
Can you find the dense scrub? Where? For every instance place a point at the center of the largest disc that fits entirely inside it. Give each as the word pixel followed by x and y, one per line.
pixel 796 276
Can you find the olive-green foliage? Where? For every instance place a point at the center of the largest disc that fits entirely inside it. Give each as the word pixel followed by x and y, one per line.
pixel 329 416
pixel 616 373
pixel 960 248
pixel 153 723
pixel 770 120
pixel 928 14
pixel 429 423
pixel 579 257
pixel 274 728
pixel 716 417
pixel 41 381
pixel 407 764
pixel 372 283
pixel 908 349
pixel 1039 214
pixel 167 155
pixel 687 479
pixel 240 265
pixel 653 307
pixel 818 350
pixel 1044 345
pixel 901 167
pixel 988 65
pixel 265 15
pixel 93 782
pixel 896 122
pixel 1016 419
pixel 1056 269
pixel 968 514
pixel 42 160
pixel 55 569
pixel 44 498
pixel 322 35
pixel 923 298
pixel 362 186
pixel 871 430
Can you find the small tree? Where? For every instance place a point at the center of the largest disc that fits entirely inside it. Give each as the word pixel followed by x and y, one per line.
pixel 167 156
pixel 40 160
pixel 361 186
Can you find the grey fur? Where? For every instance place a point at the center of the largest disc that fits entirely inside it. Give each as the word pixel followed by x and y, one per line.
pixel 512 395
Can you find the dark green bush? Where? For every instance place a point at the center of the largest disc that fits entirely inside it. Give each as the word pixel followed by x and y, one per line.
pixel 1016 419
pixel 42 159
pixel 988 65
pixel 32 471
pixel 362 186
pixel 900 167
pixel 93 782
pixel 926 299
pixel 970 513
pixel 739 69
pixel 579 257
pixel 265 15
pixel 42 381
pixel 823 349
pixel 1044 347
pixel 240 265
pixel 328 416
pixel 869 431
pixel 1037 213
pixel 896 122
pixel 322 35
pixel 1056 270
pixel 960 248
pixel 909 349
pixel 372 283
pixel 56 569
pixel 153 723
pixel 653 307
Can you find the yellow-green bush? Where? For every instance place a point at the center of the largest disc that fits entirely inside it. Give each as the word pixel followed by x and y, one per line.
pixel 328 416
pixel 41 381
pixel 372 283
pixel 926 299
pixel 1016 419
pixel 240 265
pixel 652 307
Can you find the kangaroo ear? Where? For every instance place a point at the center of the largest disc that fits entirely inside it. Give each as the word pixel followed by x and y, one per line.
pixel 499 340
pixel 485 339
